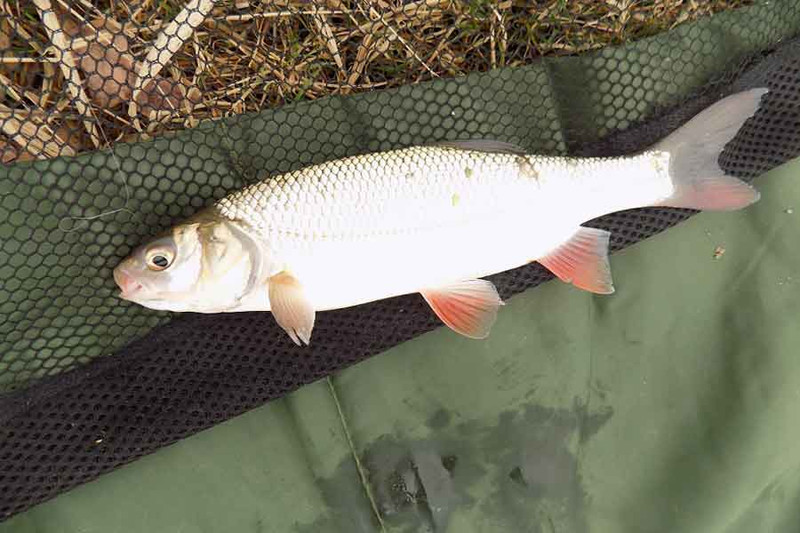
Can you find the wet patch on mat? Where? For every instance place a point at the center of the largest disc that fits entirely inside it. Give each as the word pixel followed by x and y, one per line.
pixel 351 511
pixel 522 473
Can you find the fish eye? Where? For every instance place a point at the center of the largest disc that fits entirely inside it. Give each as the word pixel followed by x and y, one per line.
pixel 159 260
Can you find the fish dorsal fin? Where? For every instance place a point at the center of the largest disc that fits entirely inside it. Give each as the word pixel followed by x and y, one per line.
pixel 467 307
pixel 583 261
pixel 484 145
pixel 290 307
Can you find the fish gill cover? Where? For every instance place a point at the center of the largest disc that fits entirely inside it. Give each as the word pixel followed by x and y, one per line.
pixel 116 124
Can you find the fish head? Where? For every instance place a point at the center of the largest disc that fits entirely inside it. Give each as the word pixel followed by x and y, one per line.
pixel 201 266
pixel 162 271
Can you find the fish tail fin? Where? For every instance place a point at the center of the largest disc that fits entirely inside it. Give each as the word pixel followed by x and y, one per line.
pixel 698 180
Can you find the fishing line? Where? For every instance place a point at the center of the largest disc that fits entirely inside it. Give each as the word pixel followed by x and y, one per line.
pixel 121 175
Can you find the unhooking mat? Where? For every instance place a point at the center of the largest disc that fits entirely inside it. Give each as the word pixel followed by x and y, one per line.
pixel 666 407
pixel 671 406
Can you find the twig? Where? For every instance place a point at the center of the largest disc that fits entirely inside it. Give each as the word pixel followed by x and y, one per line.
pixel 442 43
pixel 362 58
pixel 74 13
pixel 418 9
pixel 108 21
pixel 167 44
pixel 324 29
pixel 13 60
pixel 48 81
pixel 503 45
pixel 22 32
pixel 493 43
pixel 244 17
pixel 18 93
pixel 397 36
pixel 59 39
pixel 141 8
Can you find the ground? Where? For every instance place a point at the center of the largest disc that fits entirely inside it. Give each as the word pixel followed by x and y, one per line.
pixel 182 62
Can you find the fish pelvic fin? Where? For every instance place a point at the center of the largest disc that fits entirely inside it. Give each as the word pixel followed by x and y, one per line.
pixel 698 180
pixel 290 307
pixel 583 261
pixel 467 307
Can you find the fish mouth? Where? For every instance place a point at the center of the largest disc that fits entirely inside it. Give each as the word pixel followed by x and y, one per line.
pixel 128 294
pixel 129 287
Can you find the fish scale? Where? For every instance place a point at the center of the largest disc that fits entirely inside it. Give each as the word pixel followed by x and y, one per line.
pixel 379 193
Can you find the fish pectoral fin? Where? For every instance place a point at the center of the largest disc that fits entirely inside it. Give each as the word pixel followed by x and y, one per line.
pixel 583 261
pixel 467 307
pixel 290 307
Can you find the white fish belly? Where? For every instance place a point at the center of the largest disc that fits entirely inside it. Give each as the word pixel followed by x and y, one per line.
pixel 341 276
pixel 364 229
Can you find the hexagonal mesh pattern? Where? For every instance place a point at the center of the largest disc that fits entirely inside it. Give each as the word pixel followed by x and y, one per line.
pixel 83 185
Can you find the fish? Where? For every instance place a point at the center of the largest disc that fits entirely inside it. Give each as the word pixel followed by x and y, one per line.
pixel 433 219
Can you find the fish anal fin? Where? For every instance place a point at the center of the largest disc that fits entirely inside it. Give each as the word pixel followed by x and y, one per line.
pixel 290 307
pixel 467 307
pixel 583 261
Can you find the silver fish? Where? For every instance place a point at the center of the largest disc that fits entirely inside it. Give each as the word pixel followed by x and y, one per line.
pixel 428 219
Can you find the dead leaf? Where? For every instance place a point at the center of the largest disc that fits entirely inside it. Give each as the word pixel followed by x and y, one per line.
pixel 111 75
pixel 11 153
pixel 105 59
pixel 32 134
pixel 166 95
pixel 194 95
pixel 8 151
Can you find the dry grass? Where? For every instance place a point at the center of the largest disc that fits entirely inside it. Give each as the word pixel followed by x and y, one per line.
pixel 78 74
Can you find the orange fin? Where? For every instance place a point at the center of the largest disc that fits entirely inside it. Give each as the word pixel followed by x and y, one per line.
pixel 291 309
pixel 467 307
pixel 583 261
